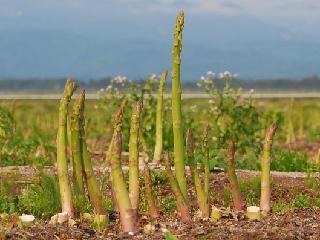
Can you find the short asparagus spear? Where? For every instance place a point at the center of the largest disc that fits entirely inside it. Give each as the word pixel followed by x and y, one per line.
pixel 152 207
pixel 265 204
pixel 128 215
pixel 181 201
pixel 117 128
pixel 202 196
pixel 238 202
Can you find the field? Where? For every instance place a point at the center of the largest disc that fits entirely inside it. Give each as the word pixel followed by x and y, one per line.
pixel 31 190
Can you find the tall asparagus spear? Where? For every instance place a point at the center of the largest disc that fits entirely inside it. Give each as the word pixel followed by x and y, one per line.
pixel 159 120
pixel 95 195
pixel 265 204
pixel 206 161
pixel 176 107
pixel 62 150
pixel 134 156
pixel 76 146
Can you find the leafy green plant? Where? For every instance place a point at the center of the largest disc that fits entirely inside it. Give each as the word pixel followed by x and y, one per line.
pixel 170 236
pixel 302 201
pixel 7 200
pixel 291 161
pixel 233 118
pixel 251 190
pixel 168 204
pixel 82 204
pixel 42 199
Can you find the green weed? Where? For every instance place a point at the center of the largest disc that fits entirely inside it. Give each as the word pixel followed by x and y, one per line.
pixel 290 161
pixel 41 200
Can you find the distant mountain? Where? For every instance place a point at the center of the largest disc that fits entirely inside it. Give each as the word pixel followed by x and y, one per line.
pixel 137 48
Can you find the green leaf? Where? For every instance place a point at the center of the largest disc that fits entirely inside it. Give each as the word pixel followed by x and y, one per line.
pixel 170 236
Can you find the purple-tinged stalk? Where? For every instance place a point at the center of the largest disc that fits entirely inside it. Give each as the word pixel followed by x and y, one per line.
pixel 118 118
pixel 182 204
pixel 238 203
pixel 265 204
pixel 152 206
pixel 128 215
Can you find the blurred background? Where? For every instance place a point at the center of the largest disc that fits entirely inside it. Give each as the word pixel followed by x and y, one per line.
pixel 99 39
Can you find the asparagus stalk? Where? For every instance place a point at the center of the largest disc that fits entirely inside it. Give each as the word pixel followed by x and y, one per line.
pixel 76 146
pixel 206 161
pixel 117 128
pixel 118 117
pixel 127 213
pixel 290 130
pixel 265 205
pixel 238 203
pixel 182 204
pixel 159 120
pixel 95 195
pixel 202 196
pixel 152 207
pixel 134 156
pixel 62 150
pixel 176 107
pixel 301 122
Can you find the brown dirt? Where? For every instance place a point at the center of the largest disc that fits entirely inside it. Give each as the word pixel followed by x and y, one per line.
pixel 293 224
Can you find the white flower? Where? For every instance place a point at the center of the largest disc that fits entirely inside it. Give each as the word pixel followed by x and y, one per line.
pixel 251 91
pixel 208 80
pixel 210 74
pixel 227 74
pixel 119 79
pixel 203 78
pixel 153 77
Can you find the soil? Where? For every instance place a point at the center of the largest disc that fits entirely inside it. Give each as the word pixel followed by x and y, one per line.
pixel 291 224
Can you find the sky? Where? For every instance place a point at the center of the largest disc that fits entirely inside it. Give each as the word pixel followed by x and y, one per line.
pixel 97 38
